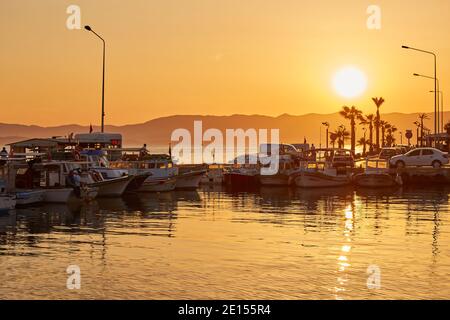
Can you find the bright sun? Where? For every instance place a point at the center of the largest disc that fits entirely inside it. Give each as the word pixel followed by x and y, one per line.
pixel 349 82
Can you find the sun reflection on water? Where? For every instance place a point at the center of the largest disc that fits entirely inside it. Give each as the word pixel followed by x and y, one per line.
pixel 343 258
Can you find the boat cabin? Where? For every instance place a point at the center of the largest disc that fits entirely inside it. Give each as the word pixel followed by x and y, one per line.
pixel 38 145
pixel 335 157
pixel 376 165
pixel 99 140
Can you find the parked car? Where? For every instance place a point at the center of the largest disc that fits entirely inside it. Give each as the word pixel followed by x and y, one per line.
pixel 343 158
pixel 420 157
pixel 387 153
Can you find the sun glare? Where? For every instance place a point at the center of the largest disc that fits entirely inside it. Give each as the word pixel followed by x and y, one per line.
pixel 349 82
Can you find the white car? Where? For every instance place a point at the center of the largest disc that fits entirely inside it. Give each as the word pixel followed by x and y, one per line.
pixel 420 157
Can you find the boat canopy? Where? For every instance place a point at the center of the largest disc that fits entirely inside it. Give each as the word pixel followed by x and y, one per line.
pixel 101 139
pixel 39 145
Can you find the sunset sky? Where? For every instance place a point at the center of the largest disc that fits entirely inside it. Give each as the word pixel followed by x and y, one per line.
pixel 216 57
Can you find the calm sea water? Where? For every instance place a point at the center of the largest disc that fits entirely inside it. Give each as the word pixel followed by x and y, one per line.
pixel 272 243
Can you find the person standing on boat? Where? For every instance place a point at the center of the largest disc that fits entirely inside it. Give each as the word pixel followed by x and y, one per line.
pixel 74 181
pixel 143 152
pixel 3 153
pixel 313 152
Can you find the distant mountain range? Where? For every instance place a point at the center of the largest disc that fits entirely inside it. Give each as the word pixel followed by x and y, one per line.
pixel 157 132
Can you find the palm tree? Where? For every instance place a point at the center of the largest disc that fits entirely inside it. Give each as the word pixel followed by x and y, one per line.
pixel 351 114
pixel 422 118
pixel 333 138
pixel 378 102
pixel 363 142
pixel 384 125
pixel 447 127
pixel 390 139
pixel 341 134
pixel 369 120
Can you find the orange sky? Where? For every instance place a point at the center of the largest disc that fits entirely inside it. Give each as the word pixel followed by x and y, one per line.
pixel 213 57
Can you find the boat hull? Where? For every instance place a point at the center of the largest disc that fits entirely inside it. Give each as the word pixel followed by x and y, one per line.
pixel 274 180
pixel 59 195
pixel 137 182
pixel 379 180
pixel 212 177
pixel 112 187
pixel 320 180
pixel 158 184
pixel 28 197
pixel 189 180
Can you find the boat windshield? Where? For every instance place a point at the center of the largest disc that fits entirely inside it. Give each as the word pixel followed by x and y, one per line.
pixel 376 164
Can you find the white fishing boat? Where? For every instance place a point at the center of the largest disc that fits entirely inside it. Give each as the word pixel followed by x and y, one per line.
pixel 29 196
pixel 113 187
pixel 96 180
pixel 325 167
pixel 319 175
pixel 160 168
pixel 97 160
pixel 54 181
pixel 162 184
pixel 376 175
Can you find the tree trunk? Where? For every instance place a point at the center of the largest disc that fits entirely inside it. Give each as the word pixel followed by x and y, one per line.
pixel 371 137
pixel 377 128
pixel 353 133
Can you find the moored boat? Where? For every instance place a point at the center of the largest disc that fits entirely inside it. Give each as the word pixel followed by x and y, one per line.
pixel 160 168
pixel 327 177
pixel 325 167
pixel 54 180
pixel 242 176
pixel 287 166
pixel 376 175
pixel 113 187
pixel 161 184
pixel 213 175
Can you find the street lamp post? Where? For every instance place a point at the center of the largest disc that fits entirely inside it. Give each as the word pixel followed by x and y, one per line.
pixel 435 83
pixel 327 125
pixel 88 28
pixel 365 131
pixel 442 109
pixel 417 123
pixel 436 114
